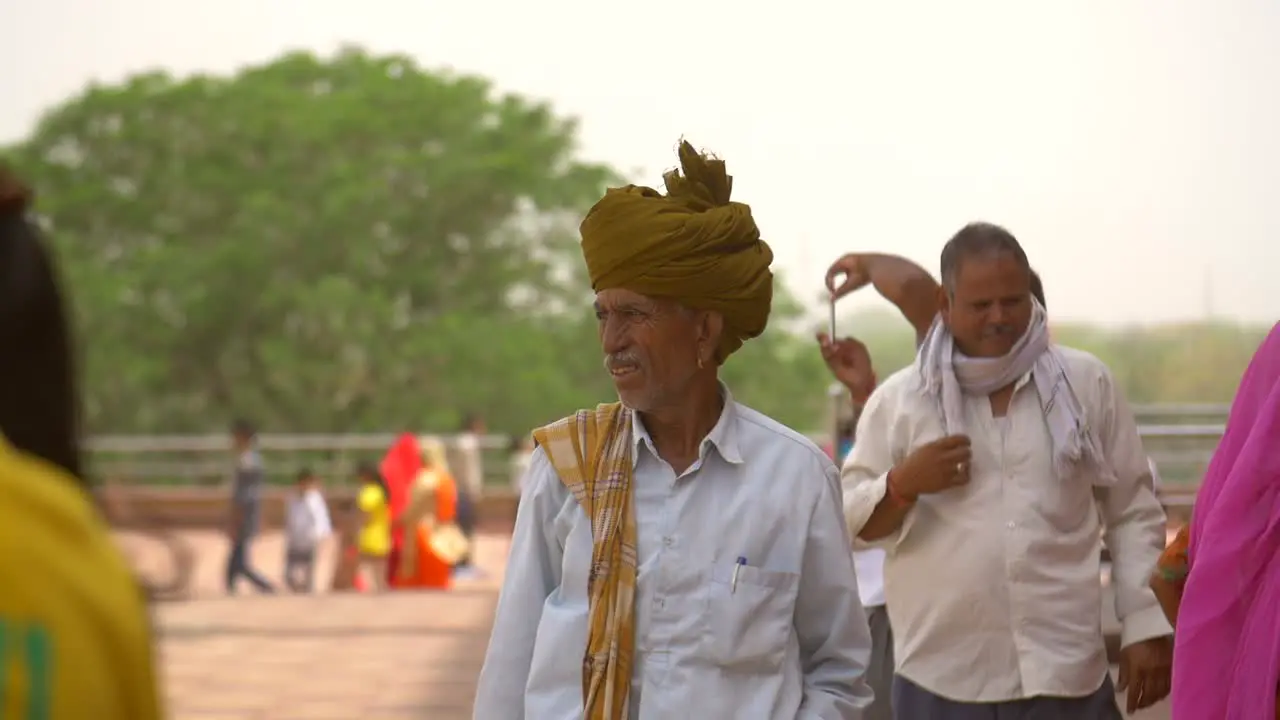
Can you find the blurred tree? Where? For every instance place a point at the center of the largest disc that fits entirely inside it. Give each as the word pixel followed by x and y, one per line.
pixel 356 243
pixel 338 244
pixel 301 240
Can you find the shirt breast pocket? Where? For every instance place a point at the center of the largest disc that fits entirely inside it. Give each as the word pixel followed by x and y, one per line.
pixel 750 621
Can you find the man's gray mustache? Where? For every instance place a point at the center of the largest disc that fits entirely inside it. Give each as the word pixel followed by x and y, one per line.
pixel 612 362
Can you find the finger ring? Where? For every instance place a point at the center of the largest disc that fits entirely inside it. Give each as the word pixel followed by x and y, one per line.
pixel 959 468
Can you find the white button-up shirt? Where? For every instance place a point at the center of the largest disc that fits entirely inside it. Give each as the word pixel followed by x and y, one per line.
pixel 993 587
pixel 788 641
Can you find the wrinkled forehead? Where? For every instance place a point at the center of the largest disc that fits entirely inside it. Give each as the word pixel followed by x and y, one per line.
pixel 616 299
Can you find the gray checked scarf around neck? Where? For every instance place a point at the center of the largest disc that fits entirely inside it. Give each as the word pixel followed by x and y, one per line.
pixel 948 375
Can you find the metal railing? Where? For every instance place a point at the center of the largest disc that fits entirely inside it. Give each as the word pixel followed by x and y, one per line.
pixel 1180 449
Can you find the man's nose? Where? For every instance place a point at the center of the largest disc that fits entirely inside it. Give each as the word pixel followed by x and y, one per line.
pixel 613 336
pixel 997 315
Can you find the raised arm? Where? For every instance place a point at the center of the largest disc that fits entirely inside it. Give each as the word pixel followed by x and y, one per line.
pixel 532 574
pixel 900 281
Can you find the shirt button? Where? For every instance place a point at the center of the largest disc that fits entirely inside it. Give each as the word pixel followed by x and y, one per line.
pixel 1012 525
pixel 668 541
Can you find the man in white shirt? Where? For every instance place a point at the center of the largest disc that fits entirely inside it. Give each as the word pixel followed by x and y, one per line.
pixel 981 469
pixel 914 292
pixel 677 555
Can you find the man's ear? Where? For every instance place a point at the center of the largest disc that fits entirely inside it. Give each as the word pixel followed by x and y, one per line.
pixel 710 330
pixel 944 300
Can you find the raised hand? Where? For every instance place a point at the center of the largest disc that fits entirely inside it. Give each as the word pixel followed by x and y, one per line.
pixel 850 363
pixel 851 272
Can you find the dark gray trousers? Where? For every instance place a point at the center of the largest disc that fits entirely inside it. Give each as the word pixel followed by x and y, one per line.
pixel 912 702
pixel 238 561
pixel 880 671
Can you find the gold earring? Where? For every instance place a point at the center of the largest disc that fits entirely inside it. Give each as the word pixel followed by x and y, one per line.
pixel 699 361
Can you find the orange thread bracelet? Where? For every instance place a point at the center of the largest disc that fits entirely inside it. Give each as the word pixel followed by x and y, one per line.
pixel 894 496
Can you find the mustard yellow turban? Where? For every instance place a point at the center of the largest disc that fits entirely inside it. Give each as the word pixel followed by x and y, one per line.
pixel 692 245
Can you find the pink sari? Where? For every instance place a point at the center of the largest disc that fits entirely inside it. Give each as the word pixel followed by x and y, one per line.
pixel 1227 653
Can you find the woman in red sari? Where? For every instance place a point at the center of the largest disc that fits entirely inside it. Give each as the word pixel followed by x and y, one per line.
pixel 399 467
pixel 432 541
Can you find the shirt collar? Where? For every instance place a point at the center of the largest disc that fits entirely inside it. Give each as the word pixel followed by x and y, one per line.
pixel 1022 380
pixel 723 437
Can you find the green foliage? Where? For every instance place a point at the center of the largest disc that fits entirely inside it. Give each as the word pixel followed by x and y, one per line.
pixel 336 244
pixel 356 243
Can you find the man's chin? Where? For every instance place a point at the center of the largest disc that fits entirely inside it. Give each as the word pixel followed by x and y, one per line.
pixel 994 349
pixel 633 400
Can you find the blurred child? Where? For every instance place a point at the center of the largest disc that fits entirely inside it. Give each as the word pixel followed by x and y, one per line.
pixel 374 540
pixel 306 525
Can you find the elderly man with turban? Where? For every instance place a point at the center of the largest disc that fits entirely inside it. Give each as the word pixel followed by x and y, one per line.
pixel 677 555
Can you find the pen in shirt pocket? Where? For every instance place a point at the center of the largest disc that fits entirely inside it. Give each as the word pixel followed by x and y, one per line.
pixel 733 583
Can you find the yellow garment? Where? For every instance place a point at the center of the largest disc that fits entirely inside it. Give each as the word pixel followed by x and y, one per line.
pixel 375 533
pixel 692 245
pixel 75 639
pixel 591 452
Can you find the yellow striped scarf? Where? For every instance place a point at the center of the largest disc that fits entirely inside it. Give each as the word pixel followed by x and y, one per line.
pixel 591 452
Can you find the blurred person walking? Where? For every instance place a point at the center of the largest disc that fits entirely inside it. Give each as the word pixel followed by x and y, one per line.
pixel 246 508
pixel 75 639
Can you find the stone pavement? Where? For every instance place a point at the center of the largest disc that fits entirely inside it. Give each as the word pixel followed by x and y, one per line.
pixel 327 656
pixel 342 656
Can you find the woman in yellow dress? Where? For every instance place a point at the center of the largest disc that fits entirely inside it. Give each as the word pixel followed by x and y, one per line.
pixel 75 639
pixel 374 539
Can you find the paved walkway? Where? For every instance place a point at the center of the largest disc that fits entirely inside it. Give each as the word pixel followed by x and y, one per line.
pixel 327 656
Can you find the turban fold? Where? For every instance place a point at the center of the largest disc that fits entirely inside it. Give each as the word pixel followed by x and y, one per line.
pixel 692 245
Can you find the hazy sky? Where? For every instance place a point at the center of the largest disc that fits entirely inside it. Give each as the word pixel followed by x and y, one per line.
pixel 1125 143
